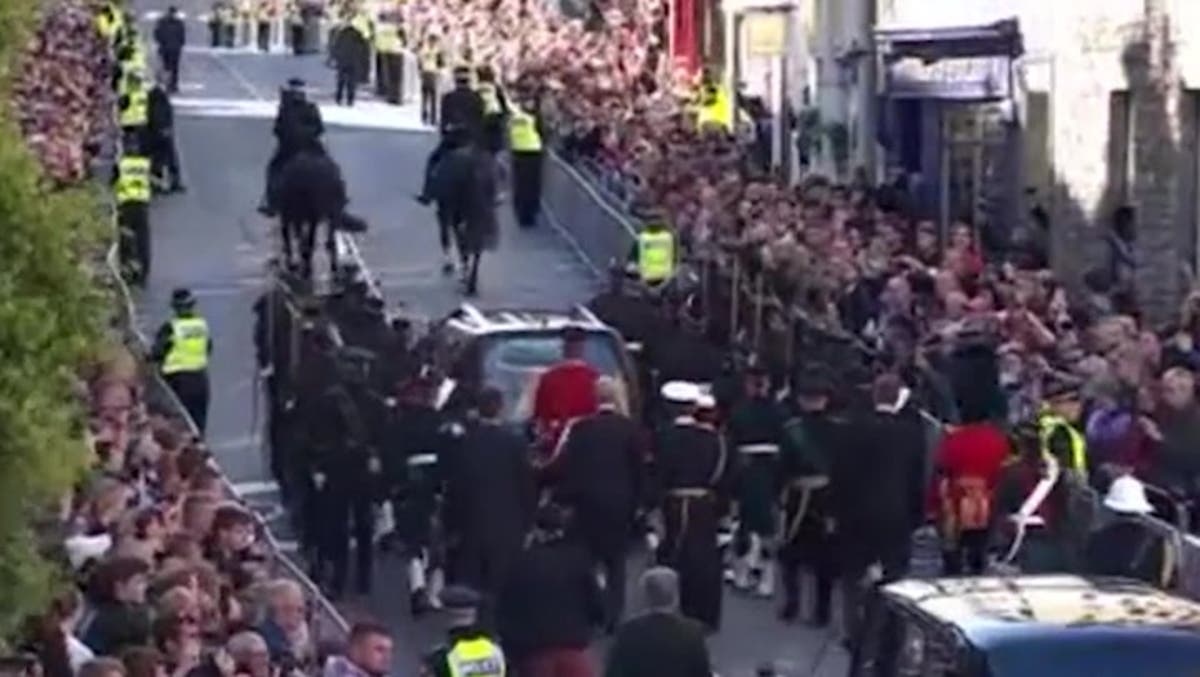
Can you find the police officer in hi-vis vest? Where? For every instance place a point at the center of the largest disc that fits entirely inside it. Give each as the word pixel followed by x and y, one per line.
pixel 181 349
pixel 469 650
pixel 131 185
pixel 525 145
pixel 431 63
pixel 653 252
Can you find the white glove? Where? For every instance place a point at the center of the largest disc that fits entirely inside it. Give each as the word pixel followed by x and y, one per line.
pixel 319 479
pixel 652 541
pixel 374 466
pixel 266 371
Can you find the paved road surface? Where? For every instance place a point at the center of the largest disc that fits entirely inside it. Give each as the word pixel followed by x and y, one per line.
pixel 212 240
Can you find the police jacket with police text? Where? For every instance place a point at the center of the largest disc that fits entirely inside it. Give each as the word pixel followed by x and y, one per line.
pixel 435 665
pixel 164 340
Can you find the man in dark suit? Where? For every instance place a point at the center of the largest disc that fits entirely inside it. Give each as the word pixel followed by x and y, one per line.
pixel 171 34
pixel 490 498
pixel 661 642
pixel 601 469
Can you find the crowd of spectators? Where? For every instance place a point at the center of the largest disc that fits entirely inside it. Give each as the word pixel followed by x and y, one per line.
pixel 855 258
pixel 166 574
pixel 171 577
pixel 60 91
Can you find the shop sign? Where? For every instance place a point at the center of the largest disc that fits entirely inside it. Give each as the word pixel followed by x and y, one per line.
pixel 765 33
pixel 962 79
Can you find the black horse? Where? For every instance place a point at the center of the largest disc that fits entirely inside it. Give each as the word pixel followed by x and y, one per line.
pixel 310 192
pixel 464 187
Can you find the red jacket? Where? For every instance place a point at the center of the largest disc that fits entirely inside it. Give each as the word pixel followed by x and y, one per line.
pixel 565 392
pixel 976 450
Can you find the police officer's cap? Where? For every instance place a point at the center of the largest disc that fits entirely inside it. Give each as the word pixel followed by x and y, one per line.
pixel 681 392
pixel 813 382
pixel 460 598
pixel 462 73
pixel 1062 390
pixel 356 355
pixel 295 83
pixel 182 298
pixel 756 370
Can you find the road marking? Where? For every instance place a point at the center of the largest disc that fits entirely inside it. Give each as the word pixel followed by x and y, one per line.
pixel 252 488
pixel 369 115
pixel 191 86
pixel 240 79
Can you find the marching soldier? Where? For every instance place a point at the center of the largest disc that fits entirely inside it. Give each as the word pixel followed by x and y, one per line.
pixel 346 472
pixel 756 431
pixel 181 349
pixel 415 473
pixel 133 190
pixel 431 64
pixel 692 475
pixel 807 523
pixel 490 497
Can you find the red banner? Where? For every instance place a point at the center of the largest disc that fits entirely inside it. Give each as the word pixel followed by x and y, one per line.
pixel 685 47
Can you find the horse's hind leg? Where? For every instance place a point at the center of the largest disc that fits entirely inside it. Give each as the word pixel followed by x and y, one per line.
pixel 331 249
pixel 285 229
pixel 308 243
pixel 472 278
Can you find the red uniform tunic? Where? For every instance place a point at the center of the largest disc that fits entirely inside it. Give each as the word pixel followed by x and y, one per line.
pixel 970 454
pixel 566 391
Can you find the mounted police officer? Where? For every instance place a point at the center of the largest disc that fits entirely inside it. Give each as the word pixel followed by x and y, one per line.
pixel 181 349
pixel 462 114
pixel 756 432
pixel 692 469
pixel 298 125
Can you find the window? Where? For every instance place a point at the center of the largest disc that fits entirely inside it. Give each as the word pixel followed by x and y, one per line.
pixel 514 362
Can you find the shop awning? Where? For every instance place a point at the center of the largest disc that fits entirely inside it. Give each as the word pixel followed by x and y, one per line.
pixel 963 63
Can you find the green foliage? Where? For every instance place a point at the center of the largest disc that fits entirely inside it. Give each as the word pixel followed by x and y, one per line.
pixel 51 316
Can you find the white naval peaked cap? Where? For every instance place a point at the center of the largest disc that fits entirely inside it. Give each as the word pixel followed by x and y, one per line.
pixel 681 392
pixel 706 401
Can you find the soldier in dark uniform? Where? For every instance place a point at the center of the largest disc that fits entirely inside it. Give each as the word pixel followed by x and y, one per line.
pixel 692 482
pixel 490 497
pixel 348 482
pixel 755 433
pixel 469 649
pixel 804 466
pixel 273 327
pixel 412 469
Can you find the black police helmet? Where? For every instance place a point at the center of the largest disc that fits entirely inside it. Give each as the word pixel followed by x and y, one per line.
pixel 182 298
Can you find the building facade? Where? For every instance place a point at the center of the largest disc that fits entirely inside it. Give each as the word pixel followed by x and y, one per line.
pixel 1102 112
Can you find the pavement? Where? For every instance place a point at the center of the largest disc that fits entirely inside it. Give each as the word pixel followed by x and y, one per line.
pixel 212 240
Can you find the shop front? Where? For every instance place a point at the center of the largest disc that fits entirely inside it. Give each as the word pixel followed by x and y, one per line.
pixel 949 121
